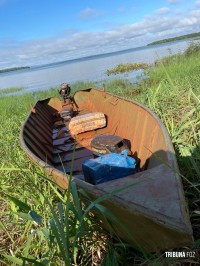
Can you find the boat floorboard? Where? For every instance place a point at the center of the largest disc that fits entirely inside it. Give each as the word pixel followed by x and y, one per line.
pixel 63 148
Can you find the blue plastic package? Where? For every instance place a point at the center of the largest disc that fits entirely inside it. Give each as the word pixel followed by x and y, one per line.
pixel 108 167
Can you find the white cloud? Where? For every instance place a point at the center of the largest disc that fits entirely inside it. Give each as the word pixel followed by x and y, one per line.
pixel 89 13
pixel 193 20
pixel 162 11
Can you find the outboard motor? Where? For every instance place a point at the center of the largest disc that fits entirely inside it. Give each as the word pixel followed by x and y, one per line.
pixel 64 91
pixel 67 107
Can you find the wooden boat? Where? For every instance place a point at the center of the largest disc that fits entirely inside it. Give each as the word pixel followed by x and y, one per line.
pixel 153 208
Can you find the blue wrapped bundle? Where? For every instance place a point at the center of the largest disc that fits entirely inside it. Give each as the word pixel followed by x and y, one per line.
pixel 108 167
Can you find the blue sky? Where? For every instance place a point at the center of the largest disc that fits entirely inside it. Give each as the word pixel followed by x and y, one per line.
pixel 34 32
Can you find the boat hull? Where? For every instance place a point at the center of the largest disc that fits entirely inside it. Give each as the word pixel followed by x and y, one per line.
pixel 150 204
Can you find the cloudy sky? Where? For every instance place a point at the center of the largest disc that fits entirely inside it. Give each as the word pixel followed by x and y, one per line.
pixel 34 32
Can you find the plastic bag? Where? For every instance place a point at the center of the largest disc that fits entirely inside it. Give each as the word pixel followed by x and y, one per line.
pixel 108 167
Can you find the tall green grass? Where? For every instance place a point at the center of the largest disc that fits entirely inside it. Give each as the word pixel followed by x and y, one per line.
pixel 176 99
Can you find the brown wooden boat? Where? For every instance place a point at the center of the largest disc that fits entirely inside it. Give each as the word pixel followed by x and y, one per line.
pixel 153 209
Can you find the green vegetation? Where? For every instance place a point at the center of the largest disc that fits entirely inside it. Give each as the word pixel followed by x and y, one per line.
pixel 182 37
pixel 39 222
pixel 10 90
pixel 12 69
pixel 125 68
pixel 172 90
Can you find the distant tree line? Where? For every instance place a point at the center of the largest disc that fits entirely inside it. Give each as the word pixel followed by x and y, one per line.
pixel 13 69
pixel 182 37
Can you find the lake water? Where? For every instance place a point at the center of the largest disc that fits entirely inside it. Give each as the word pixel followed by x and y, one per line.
pixel 87 69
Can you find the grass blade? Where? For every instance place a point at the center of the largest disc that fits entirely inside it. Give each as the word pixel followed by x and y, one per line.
pixel 22 205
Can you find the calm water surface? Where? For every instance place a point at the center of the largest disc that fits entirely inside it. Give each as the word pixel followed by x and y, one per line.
pixel 86 69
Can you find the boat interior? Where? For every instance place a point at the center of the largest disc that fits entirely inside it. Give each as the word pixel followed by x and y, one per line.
pixel 49 138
